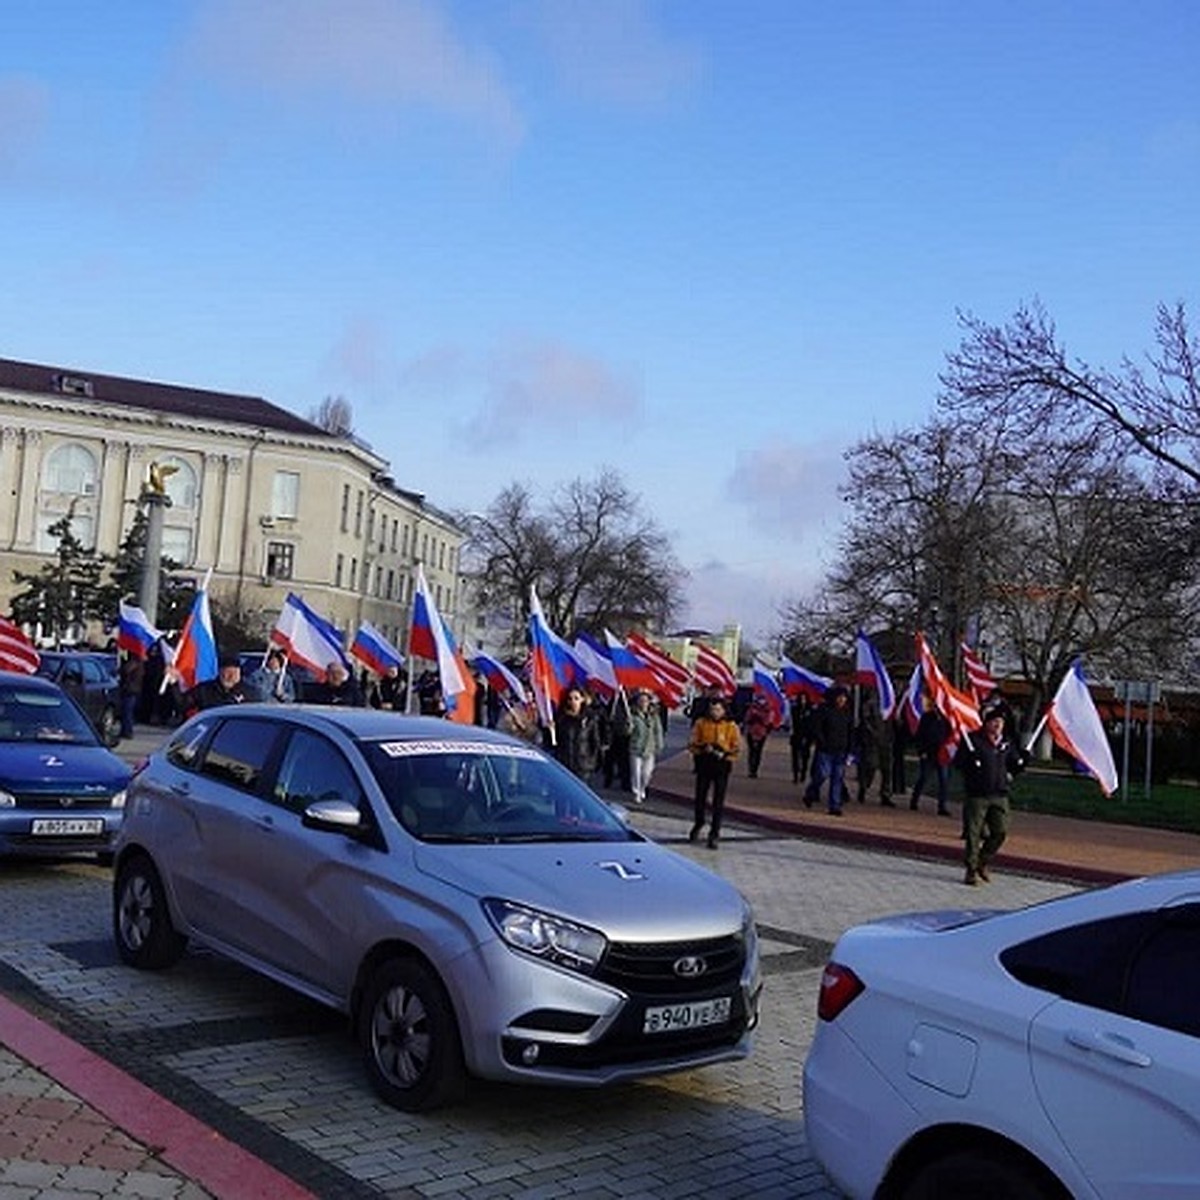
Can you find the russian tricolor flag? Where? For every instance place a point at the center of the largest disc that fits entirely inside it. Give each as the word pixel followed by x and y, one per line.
pixel 553 667
pixel 195 658
pixel 374 651
pixel 500 678
pixel 429 638
pixel 135 634
pixel 799 681
pixel 631 671
pixel 766 687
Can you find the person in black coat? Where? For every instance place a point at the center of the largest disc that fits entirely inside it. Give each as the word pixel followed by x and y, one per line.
pixel 339 687
pixel 833 734
pixel 988 761
pixel 577 735
pixel 933 733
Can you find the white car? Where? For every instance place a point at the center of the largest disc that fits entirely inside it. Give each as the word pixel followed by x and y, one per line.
pixel 1046 1053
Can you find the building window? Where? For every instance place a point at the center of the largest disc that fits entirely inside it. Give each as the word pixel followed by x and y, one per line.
pixel 81 527
pixel 391 584
pixel 345 506
pixel 395 522
pixel 180 483
pixel 281 560
pixel 404 542
pixel 383 535
pixel 71 471
pixel 370 525
pixel 441 556
pixel 358 515
pixel 285 495
pixel 424 547
pixel 338 568
pixel 354 574
pixel 379 581
pixel 177 543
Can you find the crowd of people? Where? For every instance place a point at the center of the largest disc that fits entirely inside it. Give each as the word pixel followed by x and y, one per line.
pixel 618 741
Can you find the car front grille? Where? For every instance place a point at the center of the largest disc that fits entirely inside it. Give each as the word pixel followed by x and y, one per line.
pixel 673 968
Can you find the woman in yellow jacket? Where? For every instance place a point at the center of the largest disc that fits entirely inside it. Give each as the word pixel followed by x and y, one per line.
pixel 714 744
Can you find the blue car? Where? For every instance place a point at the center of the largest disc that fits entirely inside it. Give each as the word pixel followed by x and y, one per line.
pixel 61 791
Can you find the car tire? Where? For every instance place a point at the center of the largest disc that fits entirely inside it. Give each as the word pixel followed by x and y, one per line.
pixel 110 727
pixel 410 1039
pixel 142 928
pixel 982 1174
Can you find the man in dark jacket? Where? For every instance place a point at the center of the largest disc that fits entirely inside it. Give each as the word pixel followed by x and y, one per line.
pixel 225 689
pixel 577 735
pixel 833 731
pixel 988 761
pixel 933 732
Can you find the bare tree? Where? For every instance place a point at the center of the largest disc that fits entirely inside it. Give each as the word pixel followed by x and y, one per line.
pixel 597 560
pixel 1021 372
pixel 334 415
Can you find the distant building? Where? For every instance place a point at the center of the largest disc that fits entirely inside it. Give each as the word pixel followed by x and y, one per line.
pixel 267 499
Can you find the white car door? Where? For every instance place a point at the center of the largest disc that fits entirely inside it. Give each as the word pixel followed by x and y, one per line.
pixel 1123 1089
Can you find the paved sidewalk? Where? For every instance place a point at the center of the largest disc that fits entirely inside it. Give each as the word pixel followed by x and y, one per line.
pixel 71 1124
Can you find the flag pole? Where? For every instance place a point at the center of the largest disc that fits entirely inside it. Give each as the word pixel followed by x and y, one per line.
pixel 1033 737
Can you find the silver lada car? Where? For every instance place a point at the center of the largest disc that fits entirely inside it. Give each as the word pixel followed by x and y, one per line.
pixel 472 906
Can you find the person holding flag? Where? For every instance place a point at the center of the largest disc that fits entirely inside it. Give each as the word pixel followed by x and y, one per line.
pixel 988 762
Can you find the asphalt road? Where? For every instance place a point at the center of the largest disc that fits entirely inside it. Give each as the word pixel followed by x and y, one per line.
pixel 280 1075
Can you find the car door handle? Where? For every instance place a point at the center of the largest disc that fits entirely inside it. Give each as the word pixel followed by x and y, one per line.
pixel 181 789
pixel 266 823
pixel 1111 1045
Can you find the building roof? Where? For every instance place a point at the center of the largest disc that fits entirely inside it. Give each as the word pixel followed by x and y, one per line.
pixel 223 407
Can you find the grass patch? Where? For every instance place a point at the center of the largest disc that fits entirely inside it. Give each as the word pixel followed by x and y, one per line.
pixel 1062 794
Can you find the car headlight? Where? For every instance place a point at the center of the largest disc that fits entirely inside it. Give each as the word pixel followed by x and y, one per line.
pixel 545 936
pixel 7 799
pixel 118 800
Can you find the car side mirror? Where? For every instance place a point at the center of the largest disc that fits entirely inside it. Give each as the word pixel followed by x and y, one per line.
pixel 333 816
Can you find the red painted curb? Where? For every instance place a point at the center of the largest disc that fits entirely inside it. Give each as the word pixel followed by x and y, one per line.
pixel 192 1148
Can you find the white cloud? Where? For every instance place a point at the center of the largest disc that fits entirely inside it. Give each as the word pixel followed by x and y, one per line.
pixel 614 52
pixel 790 486
pixel 550 389
pixel 362 51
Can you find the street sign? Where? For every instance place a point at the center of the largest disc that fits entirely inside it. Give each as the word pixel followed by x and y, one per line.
pixel 1138 691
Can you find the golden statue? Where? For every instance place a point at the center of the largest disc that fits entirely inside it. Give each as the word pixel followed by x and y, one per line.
pixel 159 473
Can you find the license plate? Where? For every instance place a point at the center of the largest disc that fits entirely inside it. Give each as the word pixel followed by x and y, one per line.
pixel 67 826
pixel 669 1018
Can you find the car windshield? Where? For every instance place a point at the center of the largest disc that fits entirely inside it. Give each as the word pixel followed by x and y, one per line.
pixel 33 715
pixel 474 792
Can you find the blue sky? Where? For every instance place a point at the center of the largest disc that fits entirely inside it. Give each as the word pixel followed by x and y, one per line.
pixel 707 244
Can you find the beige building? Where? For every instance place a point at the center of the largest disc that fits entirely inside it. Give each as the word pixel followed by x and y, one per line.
pixel 268 500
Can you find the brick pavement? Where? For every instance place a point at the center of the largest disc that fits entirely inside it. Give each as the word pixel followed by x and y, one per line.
pixel 71 1124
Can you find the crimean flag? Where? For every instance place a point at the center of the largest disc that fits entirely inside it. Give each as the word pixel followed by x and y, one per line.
pixel 870 671
pixel 307 638
pixel 430 638
pixel 17 652
pixel 800 681
pixel 711 670
pixel 135 634
pixel 593 657
pixel 979 679
pixel 673 677
pixel 912 703
pixel 1076 727
pixel 195 659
